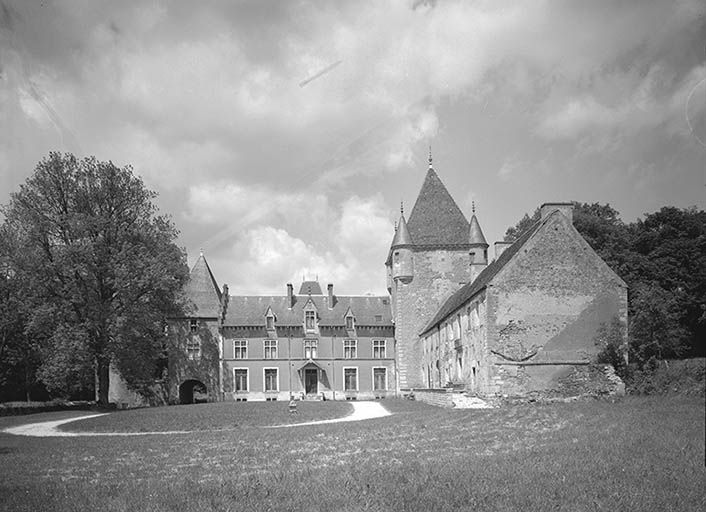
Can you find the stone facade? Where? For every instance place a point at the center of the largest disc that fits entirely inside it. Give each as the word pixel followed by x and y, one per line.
pixel 527 325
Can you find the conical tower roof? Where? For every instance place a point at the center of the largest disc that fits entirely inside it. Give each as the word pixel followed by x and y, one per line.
pixel 436 219
pixel 476 233
pixel 402 236
pixel 202 290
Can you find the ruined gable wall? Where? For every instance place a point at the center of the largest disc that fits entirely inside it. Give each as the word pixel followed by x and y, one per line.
pixel 437 274
pixel 544 309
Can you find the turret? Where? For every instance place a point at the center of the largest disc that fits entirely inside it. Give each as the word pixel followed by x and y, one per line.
pixel 478 251
pixel 401 252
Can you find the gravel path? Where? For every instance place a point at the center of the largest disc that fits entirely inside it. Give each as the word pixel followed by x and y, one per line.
pixel 361 411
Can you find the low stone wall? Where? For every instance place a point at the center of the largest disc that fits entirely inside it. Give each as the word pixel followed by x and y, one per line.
pixel 441 397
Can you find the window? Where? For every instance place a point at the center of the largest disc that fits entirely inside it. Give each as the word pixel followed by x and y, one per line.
pixel 349 349
pixel 310 349
pixel 379 379
pixel 240 349
pixel 379 349
pixel 271 381
pixel 349 322
pixel 193 325
pixel 270 349
pixel 270 322
pixel 310 320
pixel 240 379
pixel 350 379
pixel 193 349
pixel 397 256
pixel 378 318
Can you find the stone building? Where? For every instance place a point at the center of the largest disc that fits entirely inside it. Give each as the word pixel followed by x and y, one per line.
pixel 524 323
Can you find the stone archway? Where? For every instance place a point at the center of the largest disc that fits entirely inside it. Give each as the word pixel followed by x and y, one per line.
pixel 192 391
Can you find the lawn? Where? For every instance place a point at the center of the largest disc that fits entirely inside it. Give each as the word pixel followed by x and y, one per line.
pixel 638 453
pixel 210 417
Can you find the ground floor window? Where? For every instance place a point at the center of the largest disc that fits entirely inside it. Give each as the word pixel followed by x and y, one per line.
pixel 240 378
pixel 350 379
pixel 271 381
pixel 379 379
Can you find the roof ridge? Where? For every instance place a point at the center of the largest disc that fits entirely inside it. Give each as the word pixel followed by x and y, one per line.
pixel 467 291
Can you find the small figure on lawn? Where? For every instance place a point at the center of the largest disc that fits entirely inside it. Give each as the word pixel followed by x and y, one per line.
pixel 292 405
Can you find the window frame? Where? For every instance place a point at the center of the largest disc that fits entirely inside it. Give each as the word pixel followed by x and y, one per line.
pixel 357 380
pixel 384 349
pixel 264 379
pixel 384 369
pixel 350 349
pixel 193 354
pixel 240 345
pixel 247 380
pixel 310 314
pixel 274 346
pixel 310 344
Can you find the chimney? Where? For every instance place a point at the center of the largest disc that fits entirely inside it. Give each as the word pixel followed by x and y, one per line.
pixel 330 296
pixel 290 295
pixel 500 248
pixel 567 209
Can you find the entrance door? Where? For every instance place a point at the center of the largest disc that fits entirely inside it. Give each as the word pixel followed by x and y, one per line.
pixel 311 381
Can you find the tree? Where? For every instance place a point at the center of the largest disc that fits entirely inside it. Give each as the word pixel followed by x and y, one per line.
pixel 19 357
pixel 101 269
pixel 514 232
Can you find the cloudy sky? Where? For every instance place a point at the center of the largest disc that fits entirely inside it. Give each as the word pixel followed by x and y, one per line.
pixel 282 136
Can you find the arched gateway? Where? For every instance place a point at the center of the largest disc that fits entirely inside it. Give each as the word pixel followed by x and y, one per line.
pixel 192 391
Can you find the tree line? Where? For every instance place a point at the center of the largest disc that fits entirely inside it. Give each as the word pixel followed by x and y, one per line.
pixel 662 258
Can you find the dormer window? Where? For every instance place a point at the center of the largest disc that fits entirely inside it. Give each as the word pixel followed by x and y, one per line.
pixel 270 322
pixel 310 320
pixel 349 322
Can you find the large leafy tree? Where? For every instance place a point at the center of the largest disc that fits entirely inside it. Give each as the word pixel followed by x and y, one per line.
pixel 100 267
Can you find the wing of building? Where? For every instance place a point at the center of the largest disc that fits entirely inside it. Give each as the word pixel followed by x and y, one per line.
pixel 522 323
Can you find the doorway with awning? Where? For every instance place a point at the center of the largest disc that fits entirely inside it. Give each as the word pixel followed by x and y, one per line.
pixel 313 378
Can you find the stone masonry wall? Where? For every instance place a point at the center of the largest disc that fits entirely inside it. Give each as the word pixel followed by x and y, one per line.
pixel 437 274
pixel 544 309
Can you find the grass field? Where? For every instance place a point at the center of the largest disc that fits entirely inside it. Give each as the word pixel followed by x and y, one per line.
pixel 639 453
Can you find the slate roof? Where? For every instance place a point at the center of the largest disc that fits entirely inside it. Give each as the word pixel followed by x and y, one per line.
pixel 436 219
pixel 310 288
pixel 202 290
pixel 250 310
pixel 476 235
pixel 402 236
pixel 467 291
